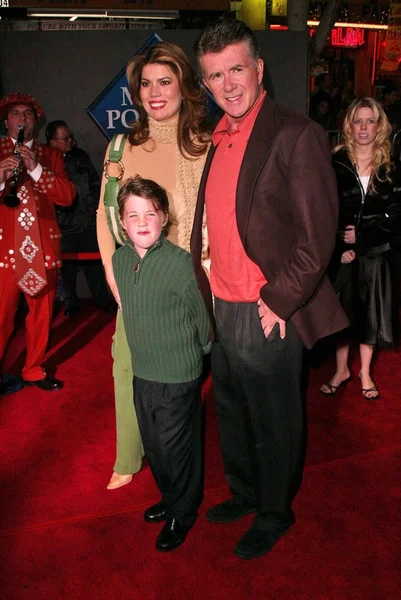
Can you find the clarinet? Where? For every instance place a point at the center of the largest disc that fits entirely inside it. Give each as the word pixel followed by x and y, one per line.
pixel 12 200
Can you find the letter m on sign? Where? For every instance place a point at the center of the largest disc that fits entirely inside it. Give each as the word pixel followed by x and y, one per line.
pixel 113 110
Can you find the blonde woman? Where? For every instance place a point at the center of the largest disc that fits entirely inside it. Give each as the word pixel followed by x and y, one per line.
pixel 369 187
pixel 167 144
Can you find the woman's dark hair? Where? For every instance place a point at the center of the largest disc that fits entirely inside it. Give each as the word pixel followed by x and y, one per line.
pixel 52 127
pixel 192 116
pixel 220 34
pixel 147 189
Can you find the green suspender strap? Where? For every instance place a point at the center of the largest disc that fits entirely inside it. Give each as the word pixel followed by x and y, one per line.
pixel 112 187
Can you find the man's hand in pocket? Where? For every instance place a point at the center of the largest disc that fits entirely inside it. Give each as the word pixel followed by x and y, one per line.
pixel 268 319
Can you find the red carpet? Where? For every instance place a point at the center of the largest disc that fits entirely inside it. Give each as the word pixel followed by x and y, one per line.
pixel 64 536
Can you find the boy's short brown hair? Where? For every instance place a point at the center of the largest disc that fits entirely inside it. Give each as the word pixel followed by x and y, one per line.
pixel 147 189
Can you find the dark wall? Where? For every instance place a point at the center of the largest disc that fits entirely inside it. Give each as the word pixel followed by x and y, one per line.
pixel 66 71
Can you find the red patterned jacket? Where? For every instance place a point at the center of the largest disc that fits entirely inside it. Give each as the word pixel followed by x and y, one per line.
pixel 53 187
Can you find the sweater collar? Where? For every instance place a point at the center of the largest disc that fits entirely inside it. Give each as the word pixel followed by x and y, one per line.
pixel 158 244
pixel 163 132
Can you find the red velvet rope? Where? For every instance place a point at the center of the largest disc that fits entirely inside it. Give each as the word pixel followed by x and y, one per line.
pixel 81 256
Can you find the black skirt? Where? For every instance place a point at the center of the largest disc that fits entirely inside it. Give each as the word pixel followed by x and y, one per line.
pixel 367 290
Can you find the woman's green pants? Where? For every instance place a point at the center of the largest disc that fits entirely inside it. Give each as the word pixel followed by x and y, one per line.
pixel 129 444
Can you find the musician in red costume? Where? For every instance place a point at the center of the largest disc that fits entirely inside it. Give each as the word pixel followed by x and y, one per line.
pixel 29 235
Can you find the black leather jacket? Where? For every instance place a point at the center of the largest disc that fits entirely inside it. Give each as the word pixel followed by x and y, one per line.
pixel 81 216
pixel 376 215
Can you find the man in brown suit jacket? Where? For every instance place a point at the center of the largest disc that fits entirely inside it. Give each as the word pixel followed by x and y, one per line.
pixel 272 209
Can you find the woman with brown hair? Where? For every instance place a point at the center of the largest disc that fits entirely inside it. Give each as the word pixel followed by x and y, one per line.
pixel 168 144
pixel 369 187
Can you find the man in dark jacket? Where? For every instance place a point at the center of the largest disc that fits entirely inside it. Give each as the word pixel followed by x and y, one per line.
pixel 271 237
pixel 78 223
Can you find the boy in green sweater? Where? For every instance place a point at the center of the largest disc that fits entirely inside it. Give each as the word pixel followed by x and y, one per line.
pixel 167 329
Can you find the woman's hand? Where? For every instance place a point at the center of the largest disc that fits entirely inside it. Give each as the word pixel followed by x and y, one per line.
pixel 348 235
pixel 347 257
pixel 112 284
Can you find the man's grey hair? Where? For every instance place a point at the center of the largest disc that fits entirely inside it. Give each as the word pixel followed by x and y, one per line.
pixel 220 34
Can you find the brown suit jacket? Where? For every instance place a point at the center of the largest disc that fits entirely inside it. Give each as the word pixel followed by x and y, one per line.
pixel 287 214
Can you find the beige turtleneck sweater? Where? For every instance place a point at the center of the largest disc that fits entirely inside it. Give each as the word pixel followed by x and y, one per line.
pixel 158 159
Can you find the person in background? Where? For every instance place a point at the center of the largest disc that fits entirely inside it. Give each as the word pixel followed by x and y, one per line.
pixel 30 252
pixel 389 96
pixel 271 209
pixel 167 144
pixel 346 97
pixel 78 222
pixel 324 117
pixel 363 272
pixel 347 94
pixel 391 107
pixel 323 88
pixel 167 329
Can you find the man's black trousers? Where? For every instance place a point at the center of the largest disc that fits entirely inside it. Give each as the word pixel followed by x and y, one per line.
pixel 260 411
pixel 170 421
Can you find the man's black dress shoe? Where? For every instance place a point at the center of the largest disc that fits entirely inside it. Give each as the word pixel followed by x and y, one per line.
pixel 256 542
pixel 48 384
pixel 6 386
pixel 230 510
pixel 155 513
pixel 171 536
pixel 10 384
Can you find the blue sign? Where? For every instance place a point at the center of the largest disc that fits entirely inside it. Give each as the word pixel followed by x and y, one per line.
pixel 113 110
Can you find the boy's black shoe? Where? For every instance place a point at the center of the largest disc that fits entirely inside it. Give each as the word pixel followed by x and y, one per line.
pixel 256 542
pixel 171 536
pixel 155 513
pixel 230 510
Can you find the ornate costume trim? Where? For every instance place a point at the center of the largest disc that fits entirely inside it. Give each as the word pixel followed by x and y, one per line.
pixel 28 249
pixel 31 283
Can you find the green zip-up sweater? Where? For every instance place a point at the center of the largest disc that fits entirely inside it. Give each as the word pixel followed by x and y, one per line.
pixel 165 319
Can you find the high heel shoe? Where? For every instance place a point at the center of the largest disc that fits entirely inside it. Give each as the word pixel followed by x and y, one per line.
pixel 370 390
pixel 332 391
pixel 118 481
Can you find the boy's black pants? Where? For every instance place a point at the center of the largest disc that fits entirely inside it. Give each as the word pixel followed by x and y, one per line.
pixel 170 421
